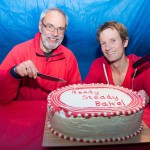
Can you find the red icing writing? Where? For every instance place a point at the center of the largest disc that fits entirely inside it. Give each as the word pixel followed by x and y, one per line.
pixel 87 97
pixel 110 104
pixel 107 100
pixel 86 92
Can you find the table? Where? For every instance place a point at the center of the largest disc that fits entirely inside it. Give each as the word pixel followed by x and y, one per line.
pixel 22 127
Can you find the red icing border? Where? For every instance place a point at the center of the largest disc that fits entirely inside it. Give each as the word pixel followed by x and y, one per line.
pixel 55 104
pixel 66 137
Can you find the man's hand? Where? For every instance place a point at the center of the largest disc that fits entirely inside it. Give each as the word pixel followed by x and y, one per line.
pixel 26 68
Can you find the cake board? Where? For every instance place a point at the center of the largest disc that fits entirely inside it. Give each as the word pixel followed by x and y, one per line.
pixel 51 140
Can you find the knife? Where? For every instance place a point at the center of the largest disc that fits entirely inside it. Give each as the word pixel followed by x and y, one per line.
pixel 141 61
pixel 44 76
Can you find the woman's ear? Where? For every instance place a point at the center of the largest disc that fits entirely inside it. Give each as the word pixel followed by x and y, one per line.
pixel 126 42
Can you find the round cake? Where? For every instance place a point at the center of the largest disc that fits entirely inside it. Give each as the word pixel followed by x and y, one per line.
pixel 95 113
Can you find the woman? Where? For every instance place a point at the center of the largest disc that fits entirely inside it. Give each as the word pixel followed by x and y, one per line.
pixel 115 67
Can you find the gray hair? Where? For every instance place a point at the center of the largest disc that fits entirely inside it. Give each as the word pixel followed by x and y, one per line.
pixel 53 9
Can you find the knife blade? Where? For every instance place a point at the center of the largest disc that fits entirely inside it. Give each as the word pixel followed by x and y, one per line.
pixel 141 61
pixel 48 77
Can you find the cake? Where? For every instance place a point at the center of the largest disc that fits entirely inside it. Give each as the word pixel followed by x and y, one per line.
pixel 95 113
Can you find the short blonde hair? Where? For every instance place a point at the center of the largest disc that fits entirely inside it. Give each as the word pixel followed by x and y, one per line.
pixel 114 25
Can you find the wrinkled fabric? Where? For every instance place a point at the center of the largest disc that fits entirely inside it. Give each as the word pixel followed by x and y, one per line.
pixel 139 82
pixel 62 64
pixel 22 125
pixel 19 22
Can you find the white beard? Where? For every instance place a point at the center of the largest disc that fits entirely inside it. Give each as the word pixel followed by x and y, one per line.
pixel 50 46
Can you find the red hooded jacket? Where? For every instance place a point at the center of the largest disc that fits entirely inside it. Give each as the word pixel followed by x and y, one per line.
pixel 135 79
pixel 62 64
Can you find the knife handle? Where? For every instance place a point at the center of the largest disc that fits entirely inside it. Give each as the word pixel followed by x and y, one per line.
pixel 141 61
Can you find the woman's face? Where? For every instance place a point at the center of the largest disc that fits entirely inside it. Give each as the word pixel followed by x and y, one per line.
pixel 111 44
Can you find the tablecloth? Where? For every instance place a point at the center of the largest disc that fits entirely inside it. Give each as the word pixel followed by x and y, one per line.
pixel 22 126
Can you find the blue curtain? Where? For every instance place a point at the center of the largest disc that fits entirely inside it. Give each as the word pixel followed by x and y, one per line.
pixel 19 22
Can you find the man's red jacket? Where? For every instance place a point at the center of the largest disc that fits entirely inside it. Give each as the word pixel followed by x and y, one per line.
pixel 62 64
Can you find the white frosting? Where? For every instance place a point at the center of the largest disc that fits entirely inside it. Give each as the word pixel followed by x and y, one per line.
pixel 95 112
pixel 97 128
pixel 93 98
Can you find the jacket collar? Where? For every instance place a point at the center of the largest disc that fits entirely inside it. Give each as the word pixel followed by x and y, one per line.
pixel 57 54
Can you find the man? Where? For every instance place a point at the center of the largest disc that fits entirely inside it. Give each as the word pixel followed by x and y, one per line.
pixel 115 67
pixel 44 54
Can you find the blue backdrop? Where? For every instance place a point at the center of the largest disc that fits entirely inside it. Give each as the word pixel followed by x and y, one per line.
pixel 19 22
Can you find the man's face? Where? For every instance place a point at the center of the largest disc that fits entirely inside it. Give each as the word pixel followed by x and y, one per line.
pixel 111 44
pixel 52 32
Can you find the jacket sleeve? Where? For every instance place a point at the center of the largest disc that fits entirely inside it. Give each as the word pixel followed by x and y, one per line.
pixel 93 75
pixel 8 86
pixel 142 79
pixel 74 76
pixel 147 81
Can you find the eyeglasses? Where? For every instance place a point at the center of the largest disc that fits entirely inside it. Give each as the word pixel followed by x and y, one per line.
pixel 51 28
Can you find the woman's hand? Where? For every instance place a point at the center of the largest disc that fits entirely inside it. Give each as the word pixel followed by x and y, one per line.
pixel 144 95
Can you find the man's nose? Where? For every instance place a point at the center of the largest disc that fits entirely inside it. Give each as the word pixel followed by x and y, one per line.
pixel 55 32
